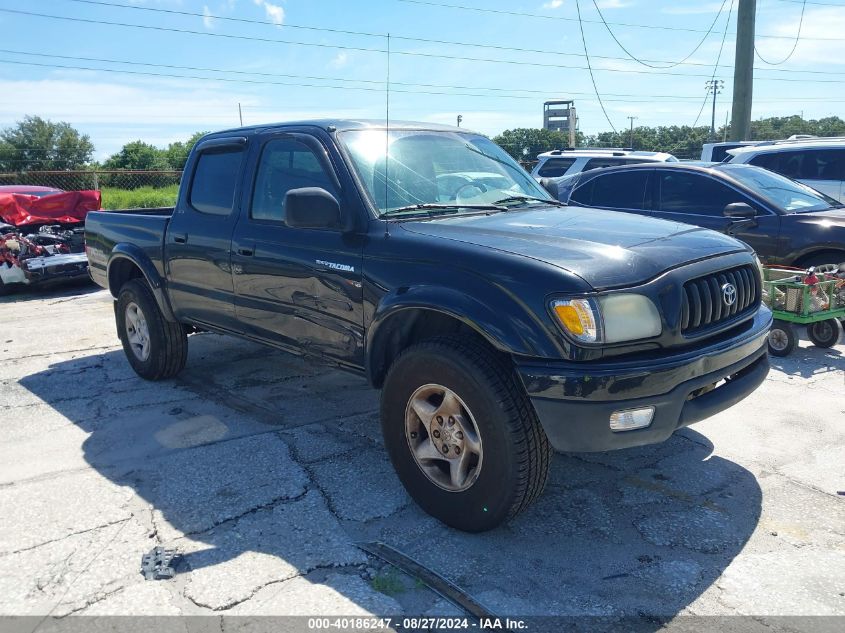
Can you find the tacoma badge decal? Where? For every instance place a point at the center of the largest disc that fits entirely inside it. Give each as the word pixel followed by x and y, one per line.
pixel 334 266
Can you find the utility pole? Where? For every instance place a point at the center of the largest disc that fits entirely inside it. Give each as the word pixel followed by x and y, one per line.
pixel 743 71
pixel 715 86
pixel 460 118
pixel 632 118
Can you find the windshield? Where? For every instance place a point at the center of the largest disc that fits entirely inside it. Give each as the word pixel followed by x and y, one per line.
pixel 784 193
pixel 438 170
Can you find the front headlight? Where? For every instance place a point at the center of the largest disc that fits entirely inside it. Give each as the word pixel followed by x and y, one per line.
pixel 759 265
pixel 611 319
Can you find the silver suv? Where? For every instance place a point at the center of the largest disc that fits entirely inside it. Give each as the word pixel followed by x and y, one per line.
pixel 565 162
pixel 817 162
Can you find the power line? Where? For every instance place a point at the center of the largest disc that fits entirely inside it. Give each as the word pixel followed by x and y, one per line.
pixel 425 40
pixel 674 98
pixel 718 59
pixel 523 14
pixel 648 63
pixel 794 44
pixel 377 50
pixel 589 66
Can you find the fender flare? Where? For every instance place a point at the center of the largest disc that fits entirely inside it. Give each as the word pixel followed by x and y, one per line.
pixel 504 331
pixel 134 254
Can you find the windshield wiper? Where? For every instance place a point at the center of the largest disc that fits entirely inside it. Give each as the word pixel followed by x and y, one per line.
pixel 430 206
pixel 556 203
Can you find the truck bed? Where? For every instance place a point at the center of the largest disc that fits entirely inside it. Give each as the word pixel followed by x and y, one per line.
pixel 143 229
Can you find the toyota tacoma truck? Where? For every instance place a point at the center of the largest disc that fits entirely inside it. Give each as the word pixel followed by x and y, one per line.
pixel 498 323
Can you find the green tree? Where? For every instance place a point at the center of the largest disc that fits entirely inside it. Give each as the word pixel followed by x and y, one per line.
pixel 36 144
pixel 177 153
pixel 138 155
pixel 535 140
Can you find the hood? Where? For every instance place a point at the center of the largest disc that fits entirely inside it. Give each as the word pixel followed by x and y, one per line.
pixel 831 219
pixel 605 248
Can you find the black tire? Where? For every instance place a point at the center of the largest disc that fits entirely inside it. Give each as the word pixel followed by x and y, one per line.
pixel 168 343
pixel 4 289
pixel 824 333
pixel 517 450
pixel 826 257
pixel 782 339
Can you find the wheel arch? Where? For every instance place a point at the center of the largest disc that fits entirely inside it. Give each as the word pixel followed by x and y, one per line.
pixel 403 320
pixel 130 262
pixel 837 256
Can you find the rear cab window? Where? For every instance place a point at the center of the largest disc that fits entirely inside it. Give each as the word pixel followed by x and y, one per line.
pixel 215 180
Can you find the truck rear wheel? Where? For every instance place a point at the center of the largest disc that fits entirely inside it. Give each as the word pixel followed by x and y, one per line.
pixel 462 434
pixel 155 347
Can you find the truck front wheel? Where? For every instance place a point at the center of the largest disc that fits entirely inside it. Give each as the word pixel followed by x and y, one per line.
pixel 155 347
pixel 462 434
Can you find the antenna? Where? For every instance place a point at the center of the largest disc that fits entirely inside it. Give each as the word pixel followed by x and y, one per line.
pixel 241 114
pixel 387 138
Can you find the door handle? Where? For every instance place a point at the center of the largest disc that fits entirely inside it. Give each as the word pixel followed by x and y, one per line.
pixel 180 238
pixel 246 252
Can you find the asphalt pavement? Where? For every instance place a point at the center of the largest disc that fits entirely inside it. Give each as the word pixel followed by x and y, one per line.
pixel 265 471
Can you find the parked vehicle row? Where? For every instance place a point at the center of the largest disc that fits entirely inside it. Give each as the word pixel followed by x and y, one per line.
pixel 498 324
pixel 784 221
pixel 573 160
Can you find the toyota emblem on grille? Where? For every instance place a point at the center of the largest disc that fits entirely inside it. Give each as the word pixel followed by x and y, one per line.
pixel 729 294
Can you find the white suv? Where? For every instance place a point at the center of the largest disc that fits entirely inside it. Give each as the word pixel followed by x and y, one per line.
pixel 565 162
pixel 817 162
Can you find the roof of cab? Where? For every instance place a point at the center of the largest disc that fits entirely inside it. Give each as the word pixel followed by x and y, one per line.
pixel 342 125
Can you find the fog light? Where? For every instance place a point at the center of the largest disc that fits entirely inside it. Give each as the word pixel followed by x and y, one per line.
pixel 631 419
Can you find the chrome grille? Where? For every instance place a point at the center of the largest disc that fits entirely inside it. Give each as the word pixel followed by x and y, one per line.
pixel 703 304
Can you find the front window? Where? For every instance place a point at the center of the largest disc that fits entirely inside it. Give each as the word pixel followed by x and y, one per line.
pixel 404 169
pixel 786 194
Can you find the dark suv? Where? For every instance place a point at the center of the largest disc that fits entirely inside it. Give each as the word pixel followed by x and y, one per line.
pixel 784 221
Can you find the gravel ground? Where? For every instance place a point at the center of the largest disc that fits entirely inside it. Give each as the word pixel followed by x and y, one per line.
pixel 265 470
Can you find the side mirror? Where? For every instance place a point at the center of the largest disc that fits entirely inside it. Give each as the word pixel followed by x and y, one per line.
pixel 740 211
pixel 312 208
pixel 550 185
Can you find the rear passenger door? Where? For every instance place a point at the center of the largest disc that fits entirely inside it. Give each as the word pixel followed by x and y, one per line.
pixel 198 240
pixel 299 288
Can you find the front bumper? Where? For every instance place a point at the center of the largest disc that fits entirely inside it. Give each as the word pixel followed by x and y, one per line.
pixel 574 401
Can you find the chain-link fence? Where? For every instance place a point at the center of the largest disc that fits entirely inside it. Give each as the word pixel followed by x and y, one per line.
pixel 93 179
pixel 122 189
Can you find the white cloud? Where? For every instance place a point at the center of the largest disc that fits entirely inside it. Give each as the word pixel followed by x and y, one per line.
pixel 613 4
pixel 553 4
pixel 340 60
pixel 207 19
pixel 275 13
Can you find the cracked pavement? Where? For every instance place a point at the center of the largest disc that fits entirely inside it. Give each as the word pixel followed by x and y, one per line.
pixel 265 469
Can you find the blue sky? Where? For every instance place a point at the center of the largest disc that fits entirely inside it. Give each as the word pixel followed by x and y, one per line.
pixel 115 107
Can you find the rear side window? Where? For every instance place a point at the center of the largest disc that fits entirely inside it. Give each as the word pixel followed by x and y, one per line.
pixel 555 167
pixel 215 181
pixel 805 164
pixel 623 190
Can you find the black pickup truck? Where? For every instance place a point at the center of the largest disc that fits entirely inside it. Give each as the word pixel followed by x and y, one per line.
pixel 498 323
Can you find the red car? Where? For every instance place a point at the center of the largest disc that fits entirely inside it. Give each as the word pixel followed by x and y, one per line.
pixel 42 234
